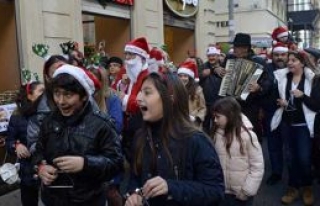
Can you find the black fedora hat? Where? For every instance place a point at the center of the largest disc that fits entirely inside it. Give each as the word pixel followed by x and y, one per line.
pixel 314 52
pixel 242 39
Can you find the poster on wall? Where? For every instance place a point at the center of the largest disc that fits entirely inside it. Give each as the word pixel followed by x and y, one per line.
pixel 5 114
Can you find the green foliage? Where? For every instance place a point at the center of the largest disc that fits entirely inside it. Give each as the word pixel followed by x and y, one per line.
pixel 40 50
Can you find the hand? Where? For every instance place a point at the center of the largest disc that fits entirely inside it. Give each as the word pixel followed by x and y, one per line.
pixel 134 200
pixel 297 93
pixel 155 187
pixel 220 71
pixel 48 174
pixel 206 72
pixel 2 141
pixel 282 102
pixel 125 79
pixel 69 164
pixel 3 116
pixel 241 196
pixel 254 87
pixel 22 151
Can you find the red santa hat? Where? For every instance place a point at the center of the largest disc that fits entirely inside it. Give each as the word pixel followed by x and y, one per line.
pixel 138 46
pixel 189 68
pixel 79 74
pixel 213 50
pixel 156 56
pixel 279 32
pixel 280 47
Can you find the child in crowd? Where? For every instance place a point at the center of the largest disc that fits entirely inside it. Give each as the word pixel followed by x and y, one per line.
pixel 27 102
pixel 117 75
pixel 239 152
pixel 173 161
pixel 197 104
pixel 78 149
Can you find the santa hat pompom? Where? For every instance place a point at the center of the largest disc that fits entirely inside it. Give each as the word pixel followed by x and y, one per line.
pixel 274 42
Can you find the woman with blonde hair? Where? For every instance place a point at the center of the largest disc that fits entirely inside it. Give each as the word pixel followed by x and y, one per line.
pixel 106 99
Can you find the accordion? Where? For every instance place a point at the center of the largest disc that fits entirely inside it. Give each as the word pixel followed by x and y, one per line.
pixel 239 74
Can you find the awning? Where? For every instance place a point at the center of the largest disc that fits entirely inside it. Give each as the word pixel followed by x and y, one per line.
pixel 303 20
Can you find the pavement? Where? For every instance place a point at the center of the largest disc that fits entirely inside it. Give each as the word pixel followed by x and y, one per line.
pixel 267 195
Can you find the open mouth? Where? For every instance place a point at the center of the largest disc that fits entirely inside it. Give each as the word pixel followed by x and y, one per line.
pixel 143 108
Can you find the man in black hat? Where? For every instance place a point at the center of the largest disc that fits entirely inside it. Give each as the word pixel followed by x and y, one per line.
pixel 314 57
pixel 250 107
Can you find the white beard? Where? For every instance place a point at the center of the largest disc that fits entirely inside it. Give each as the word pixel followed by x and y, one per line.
pixel 133 68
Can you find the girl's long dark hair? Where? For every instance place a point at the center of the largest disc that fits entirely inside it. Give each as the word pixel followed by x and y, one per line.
pixel 26 107
pixel 192 88
pixel 175 122
pixel 230 108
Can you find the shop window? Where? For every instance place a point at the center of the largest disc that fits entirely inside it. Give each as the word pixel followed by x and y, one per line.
pixel 111 31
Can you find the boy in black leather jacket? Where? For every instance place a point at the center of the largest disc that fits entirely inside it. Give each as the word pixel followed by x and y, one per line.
pixel 78 149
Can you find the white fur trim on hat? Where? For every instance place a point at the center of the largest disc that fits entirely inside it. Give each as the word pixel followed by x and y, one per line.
pixel 136 50
pixel 79 74
pixel 186 71
pixel 283 34
pixel 280 49
pixel 213 50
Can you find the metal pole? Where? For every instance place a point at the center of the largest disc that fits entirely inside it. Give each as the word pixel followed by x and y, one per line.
pixel 231 20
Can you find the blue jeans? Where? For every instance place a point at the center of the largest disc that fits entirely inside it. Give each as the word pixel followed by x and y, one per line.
pixel 299 154
pixel 275 145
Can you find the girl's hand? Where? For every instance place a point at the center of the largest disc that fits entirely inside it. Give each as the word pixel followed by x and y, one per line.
pixel 22 151
pixel 155 187
pixel 297 93
pixel 47 173
pixel 134 200
pixel 282 102
pixel 69 164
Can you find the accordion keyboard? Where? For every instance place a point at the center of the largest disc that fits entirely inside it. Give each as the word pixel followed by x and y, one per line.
pixel 227 79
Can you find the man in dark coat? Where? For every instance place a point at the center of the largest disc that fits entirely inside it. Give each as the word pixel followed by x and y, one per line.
pixel 269 106
pixel 210 81
pixel 250 107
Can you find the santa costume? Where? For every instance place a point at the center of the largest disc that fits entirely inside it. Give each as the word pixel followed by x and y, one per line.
pixel 156 60
pixel 137 70
pixel 281 34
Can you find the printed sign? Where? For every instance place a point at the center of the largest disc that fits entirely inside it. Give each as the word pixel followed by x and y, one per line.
pixel 127 2
pixel 5 114
pixel 183 8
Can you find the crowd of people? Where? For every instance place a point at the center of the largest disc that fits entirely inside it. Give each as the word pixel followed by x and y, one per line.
pixel 78 134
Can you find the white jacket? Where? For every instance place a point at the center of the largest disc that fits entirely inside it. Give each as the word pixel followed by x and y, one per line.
pixel 281 77
pixel 242 173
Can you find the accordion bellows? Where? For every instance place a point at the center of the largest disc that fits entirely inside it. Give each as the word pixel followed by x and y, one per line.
pixel 239 74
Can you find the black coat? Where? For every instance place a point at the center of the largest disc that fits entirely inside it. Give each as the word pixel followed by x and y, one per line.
pixel 88 134
pixel 210 86
pixel 195 176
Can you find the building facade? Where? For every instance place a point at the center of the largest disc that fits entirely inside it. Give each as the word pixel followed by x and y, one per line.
pixel 184 29
pixel 304 22
pixel 256 17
